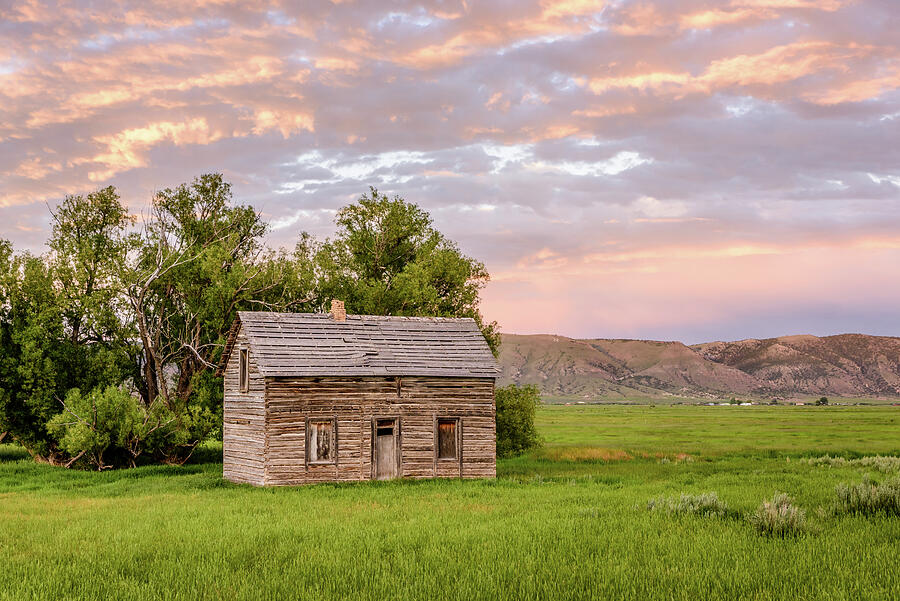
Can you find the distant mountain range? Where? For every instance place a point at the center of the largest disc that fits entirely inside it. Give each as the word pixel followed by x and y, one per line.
pixel 848 365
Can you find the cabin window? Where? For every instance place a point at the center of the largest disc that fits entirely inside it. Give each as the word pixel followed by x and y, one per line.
pixel 321 441
pixel 244 370
pixel 447 438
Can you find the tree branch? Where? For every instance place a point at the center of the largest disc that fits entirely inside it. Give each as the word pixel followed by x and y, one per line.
pixel 75 458
pixel 199 358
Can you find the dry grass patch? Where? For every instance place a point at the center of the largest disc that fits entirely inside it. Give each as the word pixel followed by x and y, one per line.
pixel 677 458
pixel 586 454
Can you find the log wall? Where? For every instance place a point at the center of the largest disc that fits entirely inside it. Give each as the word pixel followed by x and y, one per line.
pixel 244 428
pixel 355 404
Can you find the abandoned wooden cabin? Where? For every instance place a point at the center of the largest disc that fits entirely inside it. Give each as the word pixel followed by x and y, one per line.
pixel 335 397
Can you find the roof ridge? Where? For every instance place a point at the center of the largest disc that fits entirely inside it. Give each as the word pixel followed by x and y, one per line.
pixel 315 344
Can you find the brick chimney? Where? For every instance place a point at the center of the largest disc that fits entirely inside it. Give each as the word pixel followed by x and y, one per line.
pixel 337 310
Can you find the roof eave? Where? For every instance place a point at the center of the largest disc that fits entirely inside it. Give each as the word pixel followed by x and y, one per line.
pixel 481 375
pixel 229 346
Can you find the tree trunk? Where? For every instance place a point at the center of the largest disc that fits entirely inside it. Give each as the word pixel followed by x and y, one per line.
pixel 154 373
pixel 2 436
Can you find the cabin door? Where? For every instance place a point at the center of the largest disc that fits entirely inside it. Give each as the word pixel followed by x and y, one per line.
pixel 386 447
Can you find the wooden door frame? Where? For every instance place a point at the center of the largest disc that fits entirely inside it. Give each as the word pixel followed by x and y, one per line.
pixel 398 443
pixel 459 442
pixel 334 441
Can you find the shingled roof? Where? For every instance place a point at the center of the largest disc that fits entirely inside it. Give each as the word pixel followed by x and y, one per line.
pixel 314 344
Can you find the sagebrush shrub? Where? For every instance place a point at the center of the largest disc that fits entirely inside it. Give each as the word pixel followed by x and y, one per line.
pixel 779 517
pixel 883 463
pixel 705 504
pixel 868 497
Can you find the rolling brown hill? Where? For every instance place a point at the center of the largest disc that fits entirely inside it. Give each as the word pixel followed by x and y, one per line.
pixel 849 365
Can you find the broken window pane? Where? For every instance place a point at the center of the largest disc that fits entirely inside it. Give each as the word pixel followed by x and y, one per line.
pixel 320 442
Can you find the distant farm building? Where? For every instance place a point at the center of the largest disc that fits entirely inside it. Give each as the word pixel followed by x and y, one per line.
pixel 336 397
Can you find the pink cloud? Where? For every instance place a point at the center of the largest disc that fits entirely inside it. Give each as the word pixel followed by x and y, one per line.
pixel 641 163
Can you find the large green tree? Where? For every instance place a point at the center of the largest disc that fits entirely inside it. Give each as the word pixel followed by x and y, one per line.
pixel 88 246
pixel 61 323
pixel 388 259
pixel 33 351
pixel 199 260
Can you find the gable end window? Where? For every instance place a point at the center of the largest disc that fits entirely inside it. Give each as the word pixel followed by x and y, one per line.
pixel 321 441
pixel 244 370
pixel 447 438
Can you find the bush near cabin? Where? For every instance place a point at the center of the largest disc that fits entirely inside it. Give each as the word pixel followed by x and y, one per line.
pixel 516 406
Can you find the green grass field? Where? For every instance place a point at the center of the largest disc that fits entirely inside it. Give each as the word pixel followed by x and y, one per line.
pixel 567 522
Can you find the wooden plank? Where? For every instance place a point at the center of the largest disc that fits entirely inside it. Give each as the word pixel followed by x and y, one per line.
pixel 243 436
pixel 355 403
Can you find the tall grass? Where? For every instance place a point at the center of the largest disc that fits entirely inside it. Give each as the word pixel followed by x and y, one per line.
pixel 710 431
pixel 547 528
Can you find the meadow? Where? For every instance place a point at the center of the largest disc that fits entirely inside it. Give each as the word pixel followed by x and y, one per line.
pixel 569 521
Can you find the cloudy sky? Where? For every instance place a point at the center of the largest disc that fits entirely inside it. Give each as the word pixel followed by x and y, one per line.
pixel 690 170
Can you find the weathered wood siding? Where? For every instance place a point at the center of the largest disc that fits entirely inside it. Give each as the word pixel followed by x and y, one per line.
pixel 244 428
pixel 355 403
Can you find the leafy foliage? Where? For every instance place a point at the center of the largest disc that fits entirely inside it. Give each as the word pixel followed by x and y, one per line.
pixel 34 352
pixel 93 423
pixel 112 428
pixel 197 263
pixel 516 406
pixel 387 259
pixel 88 246
pixel 61 326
